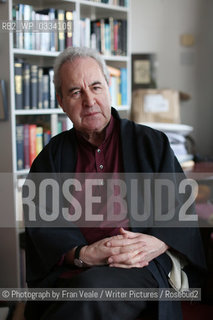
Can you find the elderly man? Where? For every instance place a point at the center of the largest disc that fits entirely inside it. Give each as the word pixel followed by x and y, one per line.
pixel 115 257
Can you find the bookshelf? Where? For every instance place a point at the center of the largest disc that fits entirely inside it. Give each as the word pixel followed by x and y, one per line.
pixel 85 10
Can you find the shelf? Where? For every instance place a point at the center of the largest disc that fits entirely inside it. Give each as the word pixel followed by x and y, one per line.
pixel 37 53
pixel 22 172
pixel 38 112
pixel 103 5
pixel 122 108
pixel 54 54
pixel 182 129
pixel 116 58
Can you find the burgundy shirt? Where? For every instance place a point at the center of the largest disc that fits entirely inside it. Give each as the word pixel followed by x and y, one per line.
pixel 106 158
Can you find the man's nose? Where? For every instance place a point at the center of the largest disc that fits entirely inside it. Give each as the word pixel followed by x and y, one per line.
pixel 88 99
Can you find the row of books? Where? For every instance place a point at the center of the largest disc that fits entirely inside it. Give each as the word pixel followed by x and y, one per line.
pixel 108 36
pixel 34 87
pixel 55 30
pixel 118 86
pixel 31 138
pixel 45 30
pixel 123 3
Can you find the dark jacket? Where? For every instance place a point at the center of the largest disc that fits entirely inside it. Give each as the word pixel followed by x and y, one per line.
pixel 144 150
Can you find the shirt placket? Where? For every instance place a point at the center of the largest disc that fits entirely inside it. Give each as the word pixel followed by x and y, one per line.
pixel 99 160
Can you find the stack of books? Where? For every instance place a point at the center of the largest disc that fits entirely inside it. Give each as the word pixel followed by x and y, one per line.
pixel 177 135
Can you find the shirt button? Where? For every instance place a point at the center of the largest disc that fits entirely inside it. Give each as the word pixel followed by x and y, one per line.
pixel 101 166
pixel 98 150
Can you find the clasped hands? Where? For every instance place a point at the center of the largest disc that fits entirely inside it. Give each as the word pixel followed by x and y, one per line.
pixel 126 250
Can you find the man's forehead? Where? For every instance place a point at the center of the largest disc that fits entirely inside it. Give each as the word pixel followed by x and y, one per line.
pixel 76 72
pixel 83 61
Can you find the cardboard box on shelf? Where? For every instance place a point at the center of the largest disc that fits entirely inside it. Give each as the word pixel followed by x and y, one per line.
pixel 156 105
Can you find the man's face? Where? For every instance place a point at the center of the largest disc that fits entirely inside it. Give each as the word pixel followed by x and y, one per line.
pixel 85 95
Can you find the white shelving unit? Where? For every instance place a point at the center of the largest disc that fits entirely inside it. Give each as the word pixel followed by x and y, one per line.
pixel 9 247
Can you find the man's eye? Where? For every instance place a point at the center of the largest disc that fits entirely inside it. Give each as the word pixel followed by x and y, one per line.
pixel 96 88
pixel 76 93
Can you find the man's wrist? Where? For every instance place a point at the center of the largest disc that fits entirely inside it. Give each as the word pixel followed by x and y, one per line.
pixel 79 260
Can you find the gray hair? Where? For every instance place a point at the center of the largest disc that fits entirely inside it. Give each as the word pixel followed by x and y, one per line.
pixel 72 53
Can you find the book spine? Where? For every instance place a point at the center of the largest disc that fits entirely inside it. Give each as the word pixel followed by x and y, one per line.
pixel 115 37
pixel 20 15
pixel 40 88
pixel 87 32
pixel 26 85
pixel 39 140
pixel 18 85
pixel 27 35
pixel 20 146
pixel 32 142
pixel 61 35
pixel 34 85
pixel 46 137
pixel 26 147
pixel 102 27
pixel 69 20
pixel 111 24
pixel 118 84
pixel 52 89
pixel 75 29
pixel 82 32
pixel 113 92
pixel 45 93
pixel 124 97
pixel 52 34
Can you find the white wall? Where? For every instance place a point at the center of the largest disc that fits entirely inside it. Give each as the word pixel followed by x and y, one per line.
pixel 156 27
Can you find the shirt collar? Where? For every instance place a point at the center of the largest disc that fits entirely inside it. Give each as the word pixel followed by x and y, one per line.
pixel 109 130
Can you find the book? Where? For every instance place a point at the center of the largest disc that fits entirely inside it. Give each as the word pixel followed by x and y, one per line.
pixel 34 86
pixel 61 32
pixel 39 139
pixel 52 95
pixel 26 146
pixel 27 17
pixel 32 142
pixel 18 85
pixel 124 97
pixel 20 146
pixel 40 88
pixel 26 85
pixel 45 92
pixel 53 34
pixel 69 34
pixel 46 137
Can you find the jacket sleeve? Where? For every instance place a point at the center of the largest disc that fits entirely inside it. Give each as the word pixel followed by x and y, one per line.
pixel 46 244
